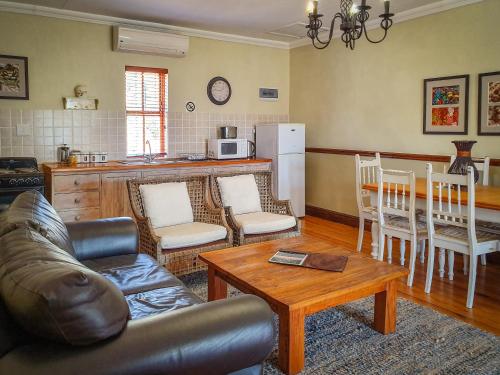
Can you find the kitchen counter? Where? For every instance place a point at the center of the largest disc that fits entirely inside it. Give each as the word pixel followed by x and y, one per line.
pixel 126 165
pixel 99 190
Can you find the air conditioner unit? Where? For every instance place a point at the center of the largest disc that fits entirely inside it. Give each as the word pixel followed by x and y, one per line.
pixel 127 39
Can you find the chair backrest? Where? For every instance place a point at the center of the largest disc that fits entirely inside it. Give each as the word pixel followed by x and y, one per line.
pixel 197 186
pixel 446 197
pixel 396 195
pixel 366 173
pixel 264 180
pixel 483 167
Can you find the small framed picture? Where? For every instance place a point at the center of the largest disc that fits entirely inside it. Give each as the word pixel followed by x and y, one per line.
pixel 14 77
pixel 488 107
pixel 446 105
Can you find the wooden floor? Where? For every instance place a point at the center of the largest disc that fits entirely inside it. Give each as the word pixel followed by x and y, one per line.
pixel 446 296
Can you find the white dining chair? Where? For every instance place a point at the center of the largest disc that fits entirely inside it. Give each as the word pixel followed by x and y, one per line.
pixel 397 214
pixel 483 167
pixel 366 173
pixel 452 226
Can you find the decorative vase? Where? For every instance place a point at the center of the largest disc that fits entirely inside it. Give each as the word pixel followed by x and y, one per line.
pixel 463 159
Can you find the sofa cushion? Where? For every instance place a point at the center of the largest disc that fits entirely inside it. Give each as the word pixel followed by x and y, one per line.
pixel 191 234
pixel 161 300
pixel 52 295
pixel 264 222
pixel 32 209
pixel 167 204
pixel 240 193
pixel 133 273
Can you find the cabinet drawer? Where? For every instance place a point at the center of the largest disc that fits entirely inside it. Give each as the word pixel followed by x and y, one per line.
pixel 76 200
pixel 80 215
pixel 76 182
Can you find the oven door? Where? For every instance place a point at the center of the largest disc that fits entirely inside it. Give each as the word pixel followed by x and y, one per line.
pixel 8 195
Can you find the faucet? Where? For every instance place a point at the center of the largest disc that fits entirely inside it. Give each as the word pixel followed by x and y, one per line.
pixel 149 158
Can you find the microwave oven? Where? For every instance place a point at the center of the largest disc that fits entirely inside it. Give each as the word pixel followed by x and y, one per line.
pixel 227 148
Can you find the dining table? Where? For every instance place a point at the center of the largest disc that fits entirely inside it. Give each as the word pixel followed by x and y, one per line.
pixel 487 202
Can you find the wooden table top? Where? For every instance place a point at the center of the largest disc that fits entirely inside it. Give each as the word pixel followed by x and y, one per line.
pixel 295 287
pixel 486 196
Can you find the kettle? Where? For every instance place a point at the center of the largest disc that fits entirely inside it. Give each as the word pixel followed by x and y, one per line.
pixel 63 153
pixel 251 149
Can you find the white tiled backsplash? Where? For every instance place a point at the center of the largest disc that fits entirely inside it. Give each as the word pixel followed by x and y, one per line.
pixel 39 132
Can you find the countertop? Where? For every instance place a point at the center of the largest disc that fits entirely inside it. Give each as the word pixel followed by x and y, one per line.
pixel 124 165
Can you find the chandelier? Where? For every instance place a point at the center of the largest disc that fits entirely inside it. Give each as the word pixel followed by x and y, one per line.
pixel 352 20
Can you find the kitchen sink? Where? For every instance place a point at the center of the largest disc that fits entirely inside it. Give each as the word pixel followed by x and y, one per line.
pixel 154 162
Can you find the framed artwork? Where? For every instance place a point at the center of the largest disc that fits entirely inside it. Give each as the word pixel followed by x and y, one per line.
pixel 14 77
pixel 488 107
pixel 446 105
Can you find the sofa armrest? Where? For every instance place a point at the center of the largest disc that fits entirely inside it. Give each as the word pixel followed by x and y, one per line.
pixel 103 237
pixel 213 338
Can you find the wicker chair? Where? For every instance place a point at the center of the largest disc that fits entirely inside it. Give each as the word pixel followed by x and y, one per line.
pixel 268 203
pixel 185 260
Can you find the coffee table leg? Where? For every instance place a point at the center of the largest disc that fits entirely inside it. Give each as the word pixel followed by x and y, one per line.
pixel 217 288
pixel 385 309
pixel 291 341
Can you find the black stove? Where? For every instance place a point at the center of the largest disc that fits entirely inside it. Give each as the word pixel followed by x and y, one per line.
pixel 17 175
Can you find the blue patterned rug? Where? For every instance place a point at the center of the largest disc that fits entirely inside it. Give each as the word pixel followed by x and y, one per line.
pixel 341 341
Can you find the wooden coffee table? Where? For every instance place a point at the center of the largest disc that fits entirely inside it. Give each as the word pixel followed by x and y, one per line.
pixel 295 292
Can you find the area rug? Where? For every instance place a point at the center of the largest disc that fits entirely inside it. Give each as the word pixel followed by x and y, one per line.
pixel 341 341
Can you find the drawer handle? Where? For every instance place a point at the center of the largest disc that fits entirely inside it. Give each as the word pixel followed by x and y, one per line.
pixel 77 218
pixel 77 200
pixel 77 182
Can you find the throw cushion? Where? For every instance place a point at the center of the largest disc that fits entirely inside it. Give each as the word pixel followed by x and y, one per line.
pixel 264 222
pixel 240 193
pixel 190 234
pixel 32 209
pixel 167 204
pixel 52 295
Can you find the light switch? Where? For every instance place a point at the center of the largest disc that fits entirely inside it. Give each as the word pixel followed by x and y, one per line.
pixel 23 130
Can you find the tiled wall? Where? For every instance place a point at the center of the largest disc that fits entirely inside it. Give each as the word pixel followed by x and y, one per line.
pixel 39 132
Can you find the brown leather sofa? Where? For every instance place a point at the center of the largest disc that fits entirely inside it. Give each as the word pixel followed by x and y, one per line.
pixel 79 299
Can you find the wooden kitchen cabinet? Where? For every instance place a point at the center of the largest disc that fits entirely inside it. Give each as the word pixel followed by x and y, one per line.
pixel 114 194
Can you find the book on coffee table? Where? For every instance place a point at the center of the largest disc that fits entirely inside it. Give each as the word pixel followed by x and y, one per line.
pixel 326 262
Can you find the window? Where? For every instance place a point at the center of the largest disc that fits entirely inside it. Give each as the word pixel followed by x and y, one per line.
pixel 146 104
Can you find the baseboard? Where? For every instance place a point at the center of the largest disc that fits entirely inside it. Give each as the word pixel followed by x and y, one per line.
pixel 338 217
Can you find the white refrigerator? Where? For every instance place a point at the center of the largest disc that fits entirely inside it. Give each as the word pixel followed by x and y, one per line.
pixel 285 145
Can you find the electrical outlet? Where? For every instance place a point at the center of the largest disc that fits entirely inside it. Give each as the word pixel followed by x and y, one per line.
pixel 23 130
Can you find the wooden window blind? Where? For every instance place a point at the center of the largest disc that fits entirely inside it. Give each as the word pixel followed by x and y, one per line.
pixel 146 105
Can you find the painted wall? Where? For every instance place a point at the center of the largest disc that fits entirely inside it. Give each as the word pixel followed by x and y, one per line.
pixel 372 98
pixel 65 53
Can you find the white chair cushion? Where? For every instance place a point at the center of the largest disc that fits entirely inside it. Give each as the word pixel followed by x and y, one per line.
pixel 404 223
pixel 459 234
pixel 190 234
pixel 167 204
pixel 264 222
pixel 240 193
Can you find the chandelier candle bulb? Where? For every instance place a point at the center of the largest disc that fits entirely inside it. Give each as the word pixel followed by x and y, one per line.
pixel 315 7
pixel 386 6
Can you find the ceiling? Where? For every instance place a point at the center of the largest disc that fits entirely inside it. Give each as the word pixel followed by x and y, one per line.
pixel 251 18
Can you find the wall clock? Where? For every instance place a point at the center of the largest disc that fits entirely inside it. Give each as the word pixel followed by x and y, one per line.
pixel 219 90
